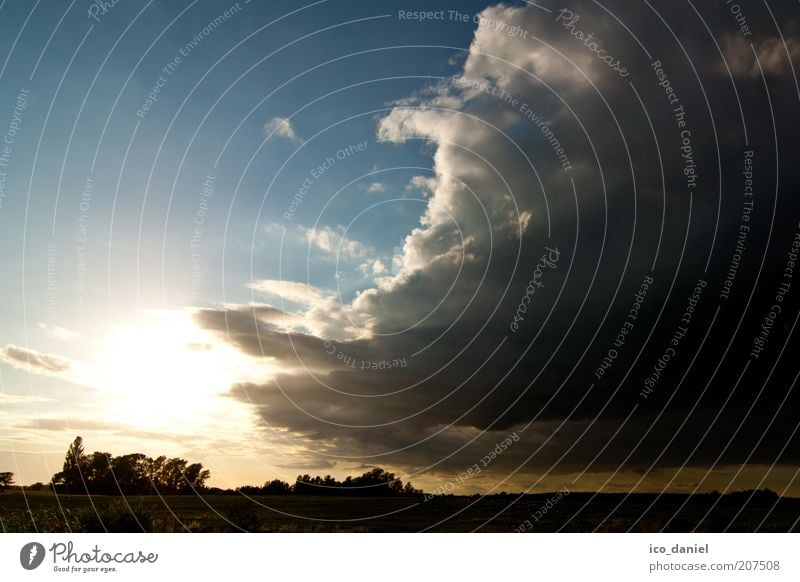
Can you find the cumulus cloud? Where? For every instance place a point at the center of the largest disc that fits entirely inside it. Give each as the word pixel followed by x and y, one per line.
pixel 322 312
pixel 425 183
pixel 376 187
pixel 57 332
pixel 282 127
pixel 292 291
pixel 36 362
pixel 422 369
pixel 375 267
pixel 330 241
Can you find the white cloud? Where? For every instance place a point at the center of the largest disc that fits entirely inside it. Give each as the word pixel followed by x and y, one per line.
pixel 9 399
pixel 282 127
pixel 376 267
pixel 425 183
pixel 328 240
pixel 525 220
pixel 52 365
pixel 33 361
pixel 471 203
pixel 57 332
pixel 470 207
pixel 324 315
pixel 272 316
pixel 293 291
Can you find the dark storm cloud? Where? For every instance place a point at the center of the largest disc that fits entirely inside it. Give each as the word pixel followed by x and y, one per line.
pixel 648 205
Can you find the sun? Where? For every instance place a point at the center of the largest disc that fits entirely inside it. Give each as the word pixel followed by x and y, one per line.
pixel 163 371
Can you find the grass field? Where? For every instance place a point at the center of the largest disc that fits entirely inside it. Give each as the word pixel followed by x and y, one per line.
pixel 576 512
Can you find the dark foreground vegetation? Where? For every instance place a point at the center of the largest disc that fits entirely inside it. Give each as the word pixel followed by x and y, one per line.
pixel 578 512
pixel 100 492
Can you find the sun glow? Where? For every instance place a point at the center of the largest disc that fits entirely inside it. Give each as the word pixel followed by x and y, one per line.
pixel 165 372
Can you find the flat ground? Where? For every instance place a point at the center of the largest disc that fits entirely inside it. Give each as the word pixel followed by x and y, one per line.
pixel 577 512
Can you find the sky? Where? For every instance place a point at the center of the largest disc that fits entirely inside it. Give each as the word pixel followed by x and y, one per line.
pixel 517 246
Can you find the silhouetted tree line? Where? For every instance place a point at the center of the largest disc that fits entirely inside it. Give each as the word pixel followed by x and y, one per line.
pixel 137 474
pixel 102 473
pixel 274 487
pixel 373 483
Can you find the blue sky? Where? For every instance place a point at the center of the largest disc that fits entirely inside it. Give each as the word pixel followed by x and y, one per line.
pixel 143 204
pixel 175 172
pixel 87 80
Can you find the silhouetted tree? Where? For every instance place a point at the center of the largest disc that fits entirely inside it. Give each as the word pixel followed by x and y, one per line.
pixel 131 473
pixel 757 496
pixel 157 473
pixel 194 478
pixel 305 485
pixel 172 475
pixel 70 479
pixel 277 487
pixel 137 474
pixel 374 483
pixel 6 480
pixel 378 482
pixel 274 487
pixel 97 474
pixel 250 490
pixel 409 489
